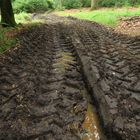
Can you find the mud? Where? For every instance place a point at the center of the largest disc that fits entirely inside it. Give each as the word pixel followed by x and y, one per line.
pixel 42 83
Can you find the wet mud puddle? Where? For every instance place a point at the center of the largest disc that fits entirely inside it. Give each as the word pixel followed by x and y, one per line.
pixel 91 126
pixel 90 129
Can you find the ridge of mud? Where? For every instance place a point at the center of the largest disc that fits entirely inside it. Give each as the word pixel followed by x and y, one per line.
pixel 112 70
pixel 41 83
pixel 41 98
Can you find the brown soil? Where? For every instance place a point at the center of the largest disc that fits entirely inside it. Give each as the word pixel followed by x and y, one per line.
pixel 130 26
pixel 42 84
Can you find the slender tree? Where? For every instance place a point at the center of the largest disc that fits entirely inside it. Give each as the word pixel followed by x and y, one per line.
pixel 94 4
pixel 7 15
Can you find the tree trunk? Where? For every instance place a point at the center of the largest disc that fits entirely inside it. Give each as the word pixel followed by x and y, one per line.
pixel 94 4
pixel 7 15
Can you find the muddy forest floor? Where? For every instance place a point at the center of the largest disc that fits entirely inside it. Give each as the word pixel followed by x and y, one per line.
pixel 44 81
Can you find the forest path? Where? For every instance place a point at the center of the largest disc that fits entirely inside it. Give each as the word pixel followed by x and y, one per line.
pixel 43 84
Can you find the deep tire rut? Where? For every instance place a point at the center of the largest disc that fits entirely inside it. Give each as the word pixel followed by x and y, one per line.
pixel 43 83
pixel 48 101
pixel 112 72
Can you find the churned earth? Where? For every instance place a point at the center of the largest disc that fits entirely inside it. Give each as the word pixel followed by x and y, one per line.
pixel 129 25
pixel 64 72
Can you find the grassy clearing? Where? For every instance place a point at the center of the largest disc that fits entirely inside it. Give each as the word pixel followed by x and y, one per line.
pixel 104 16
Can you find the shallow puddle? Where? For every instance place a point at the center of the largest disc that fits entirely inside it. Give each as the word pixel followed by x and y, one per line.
pixel 91 126
pixel 91 129
pixel 64 61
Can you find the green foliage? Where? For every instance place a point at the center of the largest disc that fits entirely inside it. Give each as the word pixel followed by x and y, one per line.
pixel 57 4
pixel 31 6
pixel 27 18
pixel 118 3
pixel 23 17
pixel 69 4
pixel 86 3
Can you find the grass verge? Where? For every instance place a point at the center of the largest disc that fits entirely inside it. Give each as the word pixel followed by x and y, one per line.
pixel 106 16
pixel 7 38
pixel 8 35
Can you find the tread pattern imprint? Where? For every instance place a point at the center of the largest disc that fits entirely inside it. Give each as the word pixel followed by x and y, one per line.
pixel 111 63
pixel 42 85
pixel 41 88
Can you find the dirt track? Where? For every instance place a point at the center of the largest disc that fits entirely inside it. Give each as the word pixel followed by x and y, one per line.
pixel 42 84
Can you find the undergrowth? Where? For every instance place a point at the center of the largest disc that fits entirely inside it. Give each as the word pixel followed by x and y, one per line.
pixel 31 6
pixel 7 38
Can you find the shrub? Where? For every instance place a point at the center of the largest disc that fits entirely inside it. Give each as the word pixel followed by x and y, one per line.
pixel 31 6
pixel 118 3
pixel 86 3
pixel 69 4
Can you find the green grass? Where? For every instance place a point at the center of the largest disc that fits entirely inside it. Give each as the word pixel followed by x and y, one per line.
pixel 104 16
pixel 26 18
pixel 5 40
pixel 22 17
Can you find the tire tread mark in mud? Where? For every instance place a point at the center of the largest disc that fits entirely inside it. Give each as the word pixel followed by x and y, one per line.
pixel 49 103
pixel 115 68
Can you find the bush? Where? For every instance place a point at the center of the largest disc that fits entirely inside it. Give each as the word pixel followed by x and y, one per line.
pixel 118 3
pixel 31 6
pixel 86 3
pixel 69 4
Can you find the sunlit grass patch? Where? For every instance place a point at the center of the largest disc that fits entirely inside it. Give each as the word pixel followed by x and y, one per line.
pixel 22 17
pixel 26 18
pixel 104 16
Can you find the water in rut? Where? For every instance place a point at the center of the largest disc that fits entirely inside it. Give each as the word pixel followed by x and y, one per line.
pixel 91 125
pixel 50 84
pixel 91 129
